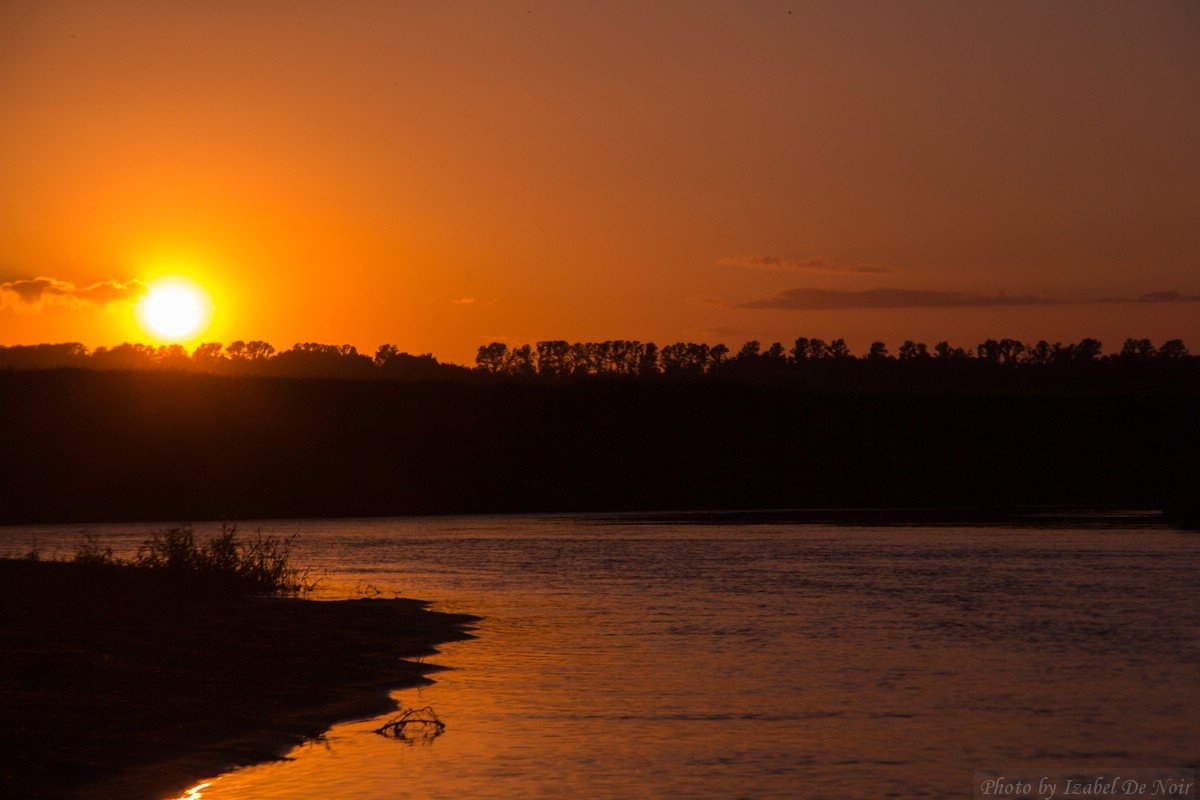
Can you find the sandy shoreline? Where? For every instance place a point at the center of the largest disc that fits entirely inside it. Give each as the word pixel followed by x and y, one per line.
pixel 119 685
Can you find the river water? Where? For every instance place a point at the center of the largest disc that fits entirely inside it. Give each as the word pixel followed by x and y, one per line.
pixel 638 657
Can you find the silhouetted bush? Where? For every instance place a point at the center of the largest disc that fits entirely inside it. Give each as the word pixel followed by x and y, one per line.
pixel 225 562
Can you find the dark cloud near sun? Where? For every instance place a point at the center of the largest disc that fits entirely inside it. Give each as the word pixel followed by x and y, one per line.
pixel 784 264
pixel 837 299
pixel 32 294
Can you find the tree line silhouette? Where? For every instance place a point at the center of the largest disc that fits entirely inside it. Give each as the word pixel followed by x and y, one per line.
pixel 305 359
pixel 825 361
pixel 557 358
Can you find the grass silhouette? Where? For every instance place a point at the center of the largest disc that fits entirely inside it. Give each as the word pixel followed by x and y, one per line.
pixel 224 563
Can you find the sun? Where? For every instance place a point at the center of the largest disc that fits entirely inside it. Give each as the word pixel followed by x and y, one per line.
pixel 174 309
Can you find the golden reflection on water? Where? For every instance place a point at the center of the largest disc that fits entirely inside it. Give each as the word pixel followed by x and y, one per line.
pixel 194 793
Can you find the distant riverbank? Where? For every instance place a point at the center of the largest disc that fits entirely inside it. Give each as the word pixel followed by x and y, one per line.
pixel 118 684
pixel 88 447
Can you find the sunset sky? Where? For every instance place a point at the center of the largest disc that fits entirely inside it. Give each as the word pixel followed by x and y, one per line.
pixel 439 175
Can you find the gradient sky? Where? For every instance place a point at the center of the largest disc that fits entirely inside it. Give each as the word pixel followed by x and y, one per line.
pixel 439 175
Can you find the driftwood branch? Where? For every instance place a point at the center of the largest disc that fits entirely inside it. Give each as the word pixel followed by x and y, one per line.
pixel 413 725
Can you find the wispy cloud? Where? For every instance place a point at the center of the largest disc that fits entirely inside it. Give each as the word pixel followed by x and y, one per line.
pixel 33 294
pixel 1170 296
pixel 786 264
pixel 462 301
pixel 833 299
pixel 704 301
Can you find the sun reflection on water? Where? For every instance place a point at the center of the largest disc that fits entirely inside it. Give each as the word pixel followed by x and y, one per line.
pixel 195 793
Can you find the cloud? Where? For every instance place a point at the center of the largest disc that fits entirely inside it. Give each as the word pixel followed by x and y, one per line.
pixel 704 301
pixel 785 264
pixel 462 301
pixel 1168 297
pixel 31 295
pixel 828 299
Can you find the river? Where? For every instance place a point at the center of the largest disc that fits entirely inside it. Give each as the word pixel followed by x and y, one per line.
pixel 661 657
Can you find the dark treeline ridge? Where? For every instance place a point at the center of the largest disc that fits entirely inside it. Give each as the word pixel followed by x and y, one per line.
pixel 305 359
pixel 996 364
pixel 623 357
pixel 94 445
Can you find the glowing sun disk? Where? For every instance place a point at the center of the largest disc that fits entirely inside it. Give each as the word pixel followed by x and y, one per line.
pixel 174 309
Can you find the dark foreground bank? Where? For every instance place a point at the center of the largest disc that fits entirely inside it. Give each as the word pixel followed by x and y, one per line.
pixel 118 683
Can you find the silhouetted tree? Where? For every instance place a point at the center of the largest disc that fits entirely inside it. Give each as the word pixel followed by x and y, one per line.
pixel 838 349
pixel 1137 349
pixel 385 353
pixel 649 361
pixel 749 352
pixel 520 361
pixel 1004 351
pixel 671 358
pixel 1040 353
pixel 259 350
pixel 491 357
pixel 683 358
pixel 944 350
pixel 583 358
pixel 310 359
pixel 716 357
pixel 1087 350
pixel 172 356
pixel 775 357
pixel 124 356
pixel 911 351
pixel 1173 350
pixel 552 357
pixel 878 352
pixel 208 355
pixel 394 364
pixel 44 356
pixel 622 357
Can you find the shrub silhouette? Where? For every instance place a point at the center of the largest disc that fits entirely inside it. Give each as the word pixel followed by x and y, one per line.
pixel 261 565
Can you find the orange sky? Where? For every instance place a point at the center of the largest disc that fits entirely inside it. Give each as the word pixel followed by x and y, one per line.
pixel 439 175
